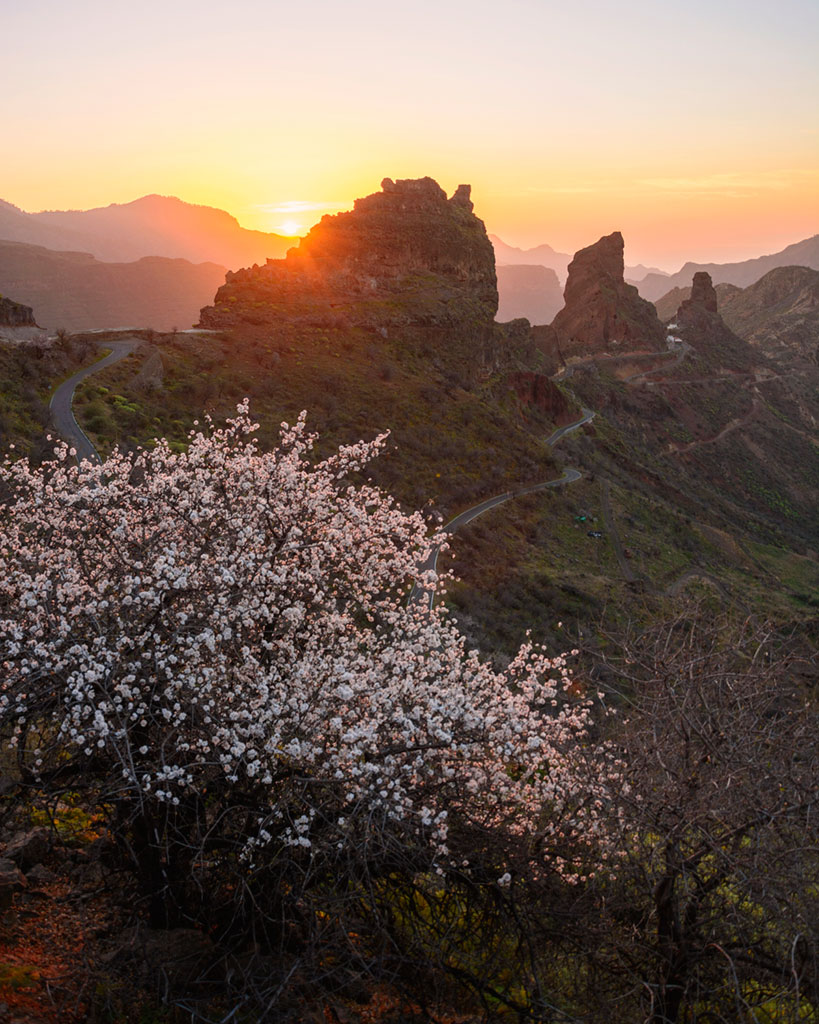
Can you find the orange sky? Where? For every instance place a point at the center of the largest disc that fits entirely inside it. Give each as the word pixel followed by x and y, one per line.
pixel 689 126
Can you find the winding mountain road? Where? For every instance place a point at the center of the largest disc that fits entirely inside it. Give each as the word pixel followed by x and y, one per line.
pixel 62 416
pixel 425 595
pixel 67 427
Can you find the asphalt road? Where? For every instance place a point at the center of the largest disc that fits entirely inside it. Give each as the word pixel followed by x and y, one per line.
pixel 61 415
pixel 421 595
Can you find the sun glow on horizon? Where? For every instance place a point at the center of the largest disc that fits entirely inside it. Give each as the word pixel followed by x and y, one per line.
pixel 290 229
pixel 569 121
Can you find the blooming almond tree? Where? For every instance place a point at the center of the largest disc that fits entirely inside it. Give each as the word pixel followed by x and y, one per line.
pixel 217 646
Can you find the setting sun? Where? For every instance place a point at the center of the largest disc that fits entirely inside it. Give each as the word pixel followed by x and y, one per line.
pixel 290 228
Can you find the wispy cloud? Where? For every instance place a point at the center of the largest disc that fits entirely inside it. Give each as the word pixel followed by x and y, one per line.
pixel 292 206
pixel 730 184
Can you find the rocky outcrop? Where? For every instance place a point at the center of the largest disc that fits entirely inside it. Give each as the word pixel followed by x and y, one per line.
pixel 602 314
pixel 668 305
pixel 702 292
pixel 15 314
pixel 404 255
pixel 700 325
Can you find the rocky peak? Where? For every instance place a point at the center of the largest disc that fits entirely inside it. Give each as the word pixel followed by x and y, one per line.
pixel 405 254
pixel 461 197
pixel 601 263
pixel 701 305
pixel 699 324
pixel 15 314
pixel 602 313
pixel 702 292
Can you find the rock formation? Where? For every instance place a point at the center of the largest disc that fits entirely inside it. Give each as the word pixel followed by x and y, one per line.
pixel 406 255
pixel 15 314
pixel 700 325
pixel 668 305
pixel 779 314
pixel 602 314
pixel 702 292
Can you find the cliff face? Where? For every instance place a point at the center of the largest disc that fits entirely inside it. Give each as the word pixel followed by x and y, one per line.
pixel 15 314
pixel 602 314
pixel 405 255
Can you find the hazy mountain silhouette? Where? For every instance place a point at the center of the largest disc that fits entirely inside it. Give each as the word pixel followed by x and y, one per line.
pixel 742 274
pixel 18 226
pixel 76 291
pixel 151 226
pixel 545 256
pixel 530 291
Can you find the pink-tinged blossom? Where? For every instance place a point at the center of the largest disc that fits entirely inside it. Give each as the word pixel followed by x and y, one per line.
pixel 230 613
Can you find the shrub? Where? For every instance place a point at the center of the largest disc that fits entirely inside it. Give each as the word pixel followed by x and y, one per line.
pixel 215 646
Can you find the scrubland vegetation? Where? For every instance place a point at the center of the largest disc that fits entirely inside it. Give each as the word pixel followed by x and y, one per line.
pixel 344 813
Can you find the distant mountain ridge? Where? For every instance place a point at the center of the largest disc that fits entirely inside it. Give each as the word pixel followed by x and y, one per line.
pixel 531 291
pixel 742 274
pixel 76 291
pixel 150 226
pixel 545 256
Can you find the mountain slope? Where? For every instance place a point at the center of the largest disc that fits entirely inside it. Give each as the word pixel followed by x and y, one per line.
pixel 779 314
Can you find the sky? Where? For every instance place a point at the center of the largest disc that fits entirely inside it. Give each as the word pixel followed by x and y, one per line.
pixel 689 125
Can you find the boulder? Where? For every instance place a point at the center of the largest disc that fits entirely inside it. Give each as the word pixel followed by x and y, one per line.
pixel 29 848
pixel 40 875
pixel 11 881
pixel 15 314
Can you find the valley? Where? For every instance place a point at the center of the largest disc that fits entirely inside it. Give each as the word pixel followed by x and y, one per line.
pixel 602 483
